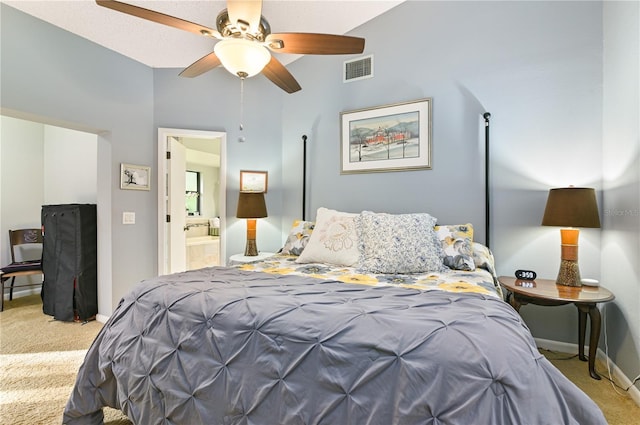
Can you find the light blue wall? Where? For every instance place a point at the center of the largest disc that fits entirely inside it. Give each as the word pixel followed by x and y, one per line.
pixel 517 60
pixel 54 77
pixel 213 102
pixel 621 183
pixel 536 66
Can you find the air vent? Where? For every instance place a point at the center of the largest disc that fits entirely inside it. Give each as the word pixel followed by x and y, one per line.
pixel 358 69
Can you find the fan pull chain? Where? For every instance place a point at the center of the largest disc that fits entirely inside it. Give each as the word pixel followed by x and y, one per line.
pixel 241 102
pixel 242 77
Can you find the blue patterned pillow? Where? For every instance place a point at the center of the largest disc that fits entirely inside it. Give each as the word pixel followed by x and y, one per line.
pixel 398 243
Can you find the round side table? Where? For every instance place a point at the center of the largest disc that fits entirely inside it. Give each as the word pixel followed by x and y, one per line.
pixel 546 292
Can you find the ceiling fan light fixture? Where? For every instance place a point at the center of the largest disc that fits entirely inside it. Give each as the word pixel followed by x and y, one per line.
pixel 242 57
pixel 246 41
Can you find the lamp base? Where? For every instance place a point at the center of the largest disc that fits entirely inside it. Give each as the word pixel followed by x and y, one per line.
pixel 251 249
pixel 569 274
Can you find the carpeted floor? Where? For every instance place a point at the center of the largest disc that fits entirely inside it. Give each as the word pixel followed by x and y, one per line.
pixel 39 359
pixel 617 406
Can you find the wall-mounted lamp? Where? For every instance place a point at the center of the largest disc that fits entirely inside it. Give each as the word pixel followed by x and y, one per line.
pixel 571 207
pixel 251 206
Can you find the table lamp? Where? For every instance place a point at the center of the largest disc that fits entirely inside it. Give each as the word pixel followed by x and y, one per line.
pixel 251 206
pixel 570 207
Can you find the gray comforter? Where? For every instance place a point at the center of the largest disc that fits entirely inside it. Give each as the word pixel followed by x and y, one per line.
pixel 225 346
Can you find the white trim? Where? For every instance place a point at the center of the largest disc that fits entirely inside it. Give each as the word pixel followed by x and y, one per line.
pixel 20 292
pixel 617 374
pixel 563 347
pixel 102 318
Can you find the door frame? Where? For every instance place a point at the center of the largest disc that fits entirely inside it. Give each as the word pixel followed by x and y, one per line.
pixel 163 134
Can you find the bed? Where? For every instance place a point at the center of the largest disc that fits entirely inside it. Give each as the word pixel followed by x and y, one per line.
pixel 365 318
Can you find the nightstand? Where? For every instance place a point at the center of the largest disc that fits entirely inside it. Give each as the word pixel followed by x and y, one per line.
pixel 547 293
pixel 241 258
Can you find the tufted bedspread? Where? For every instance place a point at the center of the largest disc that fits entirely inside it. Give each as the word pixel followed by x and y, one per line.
pixel 229 346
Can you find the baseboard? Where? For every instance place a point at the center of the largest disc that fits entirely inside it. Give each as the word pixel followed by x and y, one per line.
pixel 616 374
pixel 22 292
pixel 563 347
pixel 26 292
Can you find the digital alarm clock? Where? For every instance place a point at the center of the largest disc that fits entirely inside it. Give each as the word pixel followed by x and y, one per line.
pixel 526 274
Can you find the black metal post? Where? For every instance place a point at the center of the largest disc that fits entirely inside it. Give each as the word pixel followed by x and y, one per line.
pixel 487 201
pixel 304 176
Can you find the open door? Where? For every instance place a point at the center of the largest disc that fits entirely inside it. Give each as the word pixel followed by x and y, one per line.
pixel 172 219
pixel 176 165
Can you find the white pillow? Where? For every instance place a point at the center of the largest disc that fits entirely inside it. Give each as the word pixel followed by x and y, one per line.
pixel 334 239
pixel 398 243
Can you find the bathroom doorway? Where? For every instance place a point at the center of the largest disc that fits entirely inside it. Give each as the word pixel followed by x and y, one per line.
pixel 192 204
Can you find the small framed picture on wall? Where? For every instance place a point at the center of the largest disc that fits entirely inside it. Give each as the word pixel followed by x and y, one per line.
pixel 135 177
pixel 253 181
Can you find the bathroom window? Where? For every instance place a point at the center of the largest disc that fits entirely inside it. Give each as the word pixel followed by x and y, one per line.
pixel 193 192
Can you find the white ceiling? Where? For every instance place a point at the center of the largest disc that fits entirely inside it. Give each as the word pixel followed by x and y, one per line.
pixel 160 46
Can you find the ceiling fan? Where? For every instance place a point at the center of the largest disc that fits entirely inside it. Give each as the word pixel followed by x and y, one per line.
pixel 245 41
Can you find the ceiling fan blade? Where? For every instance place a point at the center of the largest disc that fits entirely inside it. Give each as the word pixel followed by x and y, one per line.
pixel 314 44
pixel 280 76
pixel 158 17
pixel 202 65
pixel 246 13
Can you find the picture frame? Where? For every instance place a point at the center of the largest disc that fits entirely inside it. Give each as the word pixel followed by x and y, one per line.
pixel 135 177
pixel 254 181
pixel 394 137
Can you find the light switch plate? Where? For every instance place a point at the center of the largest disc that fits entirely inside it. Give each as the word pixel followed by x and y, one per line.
pixel 128 218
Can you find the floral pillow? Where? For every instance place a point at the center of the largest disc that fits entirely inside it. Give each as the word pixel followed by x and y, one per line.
pixel 333 241
pixel 457 244
pixel 483 257
pixel 398 243
pixel 298 237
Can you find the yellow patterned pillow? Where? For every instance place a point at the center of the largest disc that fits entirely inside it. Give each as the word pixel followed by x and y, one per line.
pixel 298 237
pixel 457 243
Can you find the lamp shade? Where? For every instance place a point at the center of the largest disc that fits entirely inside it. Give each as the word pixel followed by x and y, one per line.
pixel 242 57
pixel 571 207
pixel 251 205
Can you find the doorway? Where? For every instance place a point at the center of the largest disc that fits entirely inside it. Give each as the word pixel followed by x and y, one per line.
pixel 34 137
pixel 181 230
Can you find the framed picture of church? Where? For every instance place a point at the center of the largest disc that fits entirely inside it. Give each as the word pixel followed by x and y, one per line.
pixel 386 138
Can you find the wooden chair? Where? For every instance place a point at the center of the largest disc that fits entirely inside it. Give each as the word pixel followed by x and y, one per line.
pixel 28 244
